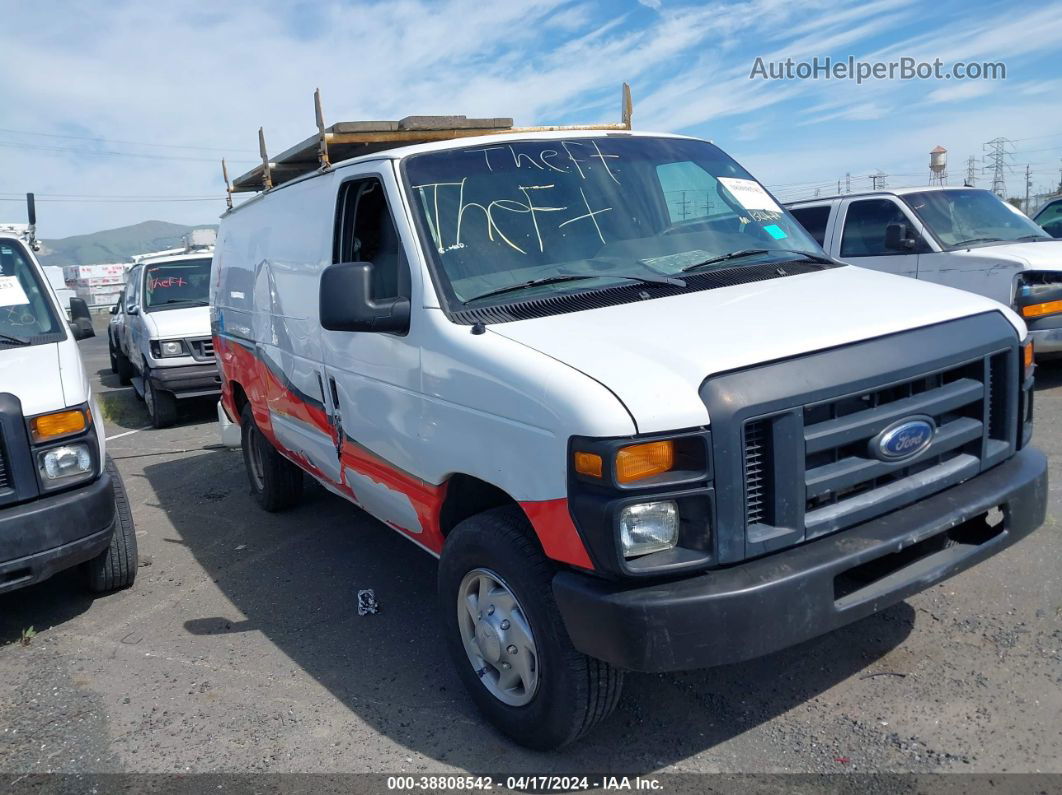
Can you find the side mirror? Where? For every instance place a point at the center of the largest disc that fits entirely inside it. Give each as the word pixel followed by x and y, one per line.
pixel 130 309
pixel 114 309
pixel 347 304
pixel 81 319
pixel 897 238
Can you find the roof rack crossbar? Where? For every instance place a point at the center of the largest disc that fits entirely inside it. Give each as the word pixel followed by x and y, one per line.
pixel 344 140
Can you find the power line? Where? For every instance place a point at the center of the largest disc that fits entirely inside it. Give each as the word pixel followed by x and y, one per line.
pixel 119 141
pixel 112 153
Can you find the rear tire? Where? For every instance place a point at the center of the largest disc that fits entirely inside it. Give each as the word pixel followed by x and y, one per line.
pixel 276 483
pixel 571 693
pixel 113 355
pixel 124 368
pixel 115 567
pixel 161 405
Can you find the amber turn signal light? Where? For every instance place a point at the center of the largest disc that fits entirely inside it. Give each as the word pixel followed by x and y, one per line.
pixel 641 461
pixel 60 423
pixel 588 464
pixel 1039 310
pixel 1027 356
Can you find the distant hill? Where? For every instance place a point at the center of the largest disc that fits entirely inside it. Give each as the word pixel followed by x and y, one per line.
pixel 114 245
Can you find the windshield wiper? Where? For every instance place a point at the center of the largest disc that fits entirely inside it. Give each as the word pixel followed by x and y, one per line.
pixel 1035 237
pixel 962 243
pixel 13 340
pixel 749 252
pixel 669 281
pixel 193 301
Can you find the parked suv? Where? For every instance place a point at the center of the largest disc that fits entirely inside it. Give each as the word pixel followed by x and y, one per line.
pixel 162 325
pixel 1050 217
pixel 961 237
pixel 62 501
pixel 643 420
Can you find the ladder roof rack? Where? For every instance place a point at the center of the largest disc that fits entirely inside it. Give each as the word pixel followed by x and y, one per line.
pixel 346 139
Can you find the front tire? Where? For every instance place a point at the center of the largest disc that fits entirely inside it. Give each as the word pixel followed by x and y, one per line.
pixel 161 405
pixel 276 483
pixel 115 567
pixel 113 354
pixel 507 638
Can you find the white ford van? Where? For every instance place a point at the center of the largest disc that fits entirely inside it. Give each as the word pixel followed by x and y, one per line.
pixel 160 331
pixel 62 502
pixel 642 419
pixel 962 237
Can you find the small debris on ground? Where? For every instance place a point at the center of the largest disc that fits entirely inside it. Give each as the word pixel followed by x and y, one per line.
pixel 367 602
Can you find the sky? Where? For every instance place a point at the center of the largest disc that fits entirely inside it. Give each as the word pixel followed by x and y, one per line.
pixel 119 112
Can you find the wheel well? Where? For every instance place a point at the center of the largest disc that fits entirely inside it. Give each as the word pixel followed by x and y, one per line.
pixel 239 398
pixel 466 496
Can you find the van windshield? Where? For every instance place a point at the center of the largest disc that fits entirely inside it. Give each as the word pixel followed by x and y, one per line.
pixel 590 212
pixel 175 285
pixel 26 312
pixel 971 217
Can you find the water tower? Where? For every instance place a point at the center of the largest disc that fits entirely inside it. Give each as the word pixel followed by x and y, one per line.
pixel 938 166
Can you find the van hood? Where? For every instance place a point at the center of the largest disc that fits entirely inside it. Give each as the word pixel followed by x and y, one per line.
pixel 192 321
pixel 1044 256
pixel 655 354
pixel 34 377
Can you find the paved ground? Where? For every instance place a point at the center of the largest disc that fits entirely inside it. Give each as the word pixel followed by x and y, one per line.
pixel 240 649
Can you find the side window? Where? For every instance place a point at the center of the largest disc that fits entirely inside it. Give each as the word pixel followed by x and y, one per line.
pixel 813 219
pixel 365 232
pixel 1050 218
pixel 131 281
pixel 864 228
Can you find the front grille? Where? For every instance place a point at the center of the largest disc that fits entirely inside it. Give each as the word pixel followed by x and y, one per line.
pixel 202 348
pixel 5 477
pixel 843 483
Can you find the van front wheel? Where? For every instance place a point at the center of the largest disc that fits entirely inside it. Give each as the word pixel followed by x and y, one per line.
pixel 276 483
pixel 507 639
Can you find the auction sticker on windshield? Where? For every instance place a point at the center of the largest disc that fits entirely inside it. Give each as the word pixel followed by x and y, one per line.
pixel 750 194
pixel 11 292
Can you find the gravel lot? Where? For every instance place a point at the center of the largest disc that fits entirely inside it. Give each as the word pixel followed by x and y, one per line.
pixel 240 648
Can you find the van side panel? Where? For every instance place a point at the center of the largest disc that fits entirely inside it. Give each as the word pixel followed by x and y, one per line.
pixel 479 405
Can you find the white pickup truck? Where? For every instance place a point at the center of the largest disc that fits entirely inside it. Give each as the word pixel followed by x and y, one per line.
pixel 962 237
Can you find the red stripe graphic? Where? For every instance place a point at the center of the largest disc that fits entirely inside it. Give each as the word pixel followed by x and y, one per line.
pixel 267 393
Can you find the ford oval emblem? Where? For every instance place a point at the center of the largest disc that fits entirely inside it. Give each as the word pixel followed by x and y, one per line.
pixel 904 439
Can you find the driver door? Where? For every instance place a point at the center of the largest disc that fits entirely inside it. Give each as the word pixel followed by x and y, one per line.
pixel 372 379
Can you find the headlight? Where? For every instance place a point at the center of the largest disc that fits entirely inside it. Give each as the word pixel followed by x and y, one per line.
pixel 1039 294
pixel 163 348
pixel 70 461
pixel 648 527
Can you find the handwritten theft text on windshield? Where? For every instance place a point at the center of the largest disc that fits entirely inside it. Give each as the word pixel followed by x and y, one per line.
pixel 576 160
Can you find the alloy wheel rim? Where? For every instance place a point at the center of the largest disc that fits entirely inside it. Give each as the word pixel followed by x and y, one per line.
pixel 497 637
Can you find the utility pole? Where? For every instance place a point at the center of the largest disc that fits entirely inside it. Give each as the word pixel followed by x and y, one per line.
pixel 838 186
pixel 1060 180
pixel 971 171
pixel 996 159
pixel 847 183
pixel 1028 184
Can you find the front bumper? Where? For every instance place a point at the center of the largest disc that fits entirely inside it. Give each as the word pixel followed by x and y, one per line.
pixel 49 534
pixel 754 608
pixel 1046 334
pixel 186 381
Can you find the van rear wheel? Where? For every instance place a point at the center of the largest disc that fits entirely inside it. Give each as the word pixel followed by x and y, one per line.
pixel 125 368
pixel 276 483
pixel 507 639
